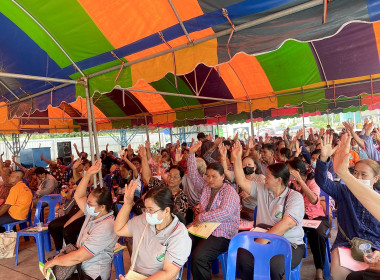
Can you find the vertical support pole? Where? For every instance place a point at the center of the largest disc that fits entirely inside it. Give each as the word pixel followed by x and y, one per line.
pixel 147 129
pixel 251 116
pixel 95 133
pixel 328 119
pixel 171 135
pixel 89 121
pixel 159 139
pixel 303 122
pixel 81 138
pixel 217 126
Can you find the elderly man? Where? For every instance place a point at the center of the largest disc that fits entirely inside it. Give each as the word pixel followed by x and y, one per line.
pixel 17 205
pixel 47 184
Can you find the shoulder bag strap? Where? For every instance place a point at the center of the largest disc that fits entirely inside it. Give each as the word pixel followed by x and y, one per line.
pixel 345 236
pixel 286 200
pixel 137 249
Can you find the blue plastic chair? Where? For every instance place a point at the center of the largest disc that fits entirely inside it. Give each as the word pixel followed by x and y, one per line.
pixel 23 224
pixel 326 265
pixel 42 238
pixel 52 200
pixel 222 258
pixel 263 253
pixel 118 263
pixel 295 273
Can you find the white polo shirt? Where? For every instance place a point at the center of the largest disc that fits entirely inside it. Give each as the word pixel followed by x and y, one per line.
pixel 172 244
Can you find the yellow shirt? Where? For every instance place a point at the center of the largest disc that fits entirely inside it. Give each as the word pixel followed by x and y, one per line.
pixel 20 198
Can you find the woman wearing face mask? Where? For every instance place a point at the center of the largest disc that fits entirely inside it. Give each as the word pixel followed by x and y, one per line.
pixel 279 208
pixel 97 239
pixel 219 202
pixel 161 242
pixel 310 191
pixel 252 172
pixel 354 220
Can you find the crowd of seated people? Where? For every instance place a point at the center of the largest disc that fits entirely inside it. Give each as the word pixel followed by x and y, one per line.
pixel 212 180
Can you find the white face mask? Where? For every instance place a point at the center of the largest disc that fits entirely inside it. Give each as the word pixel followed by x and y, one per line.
pixel 366 182
pixel 152 219
pixel 314 164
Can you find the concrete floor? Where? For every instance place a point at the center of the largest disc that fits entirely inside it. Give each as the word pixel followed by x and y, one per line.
pixel 28 264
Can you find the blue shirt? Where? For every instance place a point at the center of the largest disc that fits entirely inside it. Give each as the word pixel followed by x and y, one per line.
pixel 353 218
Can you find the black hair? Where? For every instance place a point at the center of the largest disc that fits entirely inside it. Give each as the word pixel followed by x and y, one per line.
pixel 60 158
pixel 39 170
pixel 136 159
pixel 269 147
pixel 280 170
pixel 163 197
pixel 103 197
pixel 164 150
pixel 316 152
pixel 179 168
pixel 286 152
pixel 226 142
pixel 298 164
pixel 217 167
pixel 201 135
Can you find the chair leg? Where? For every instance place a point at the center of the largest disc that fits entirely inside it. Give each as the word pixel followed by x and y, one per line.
pixel 24 226
pixel 40 247
pixel 47 242
pixel 215 267
pixel 17 244
pixel 326 266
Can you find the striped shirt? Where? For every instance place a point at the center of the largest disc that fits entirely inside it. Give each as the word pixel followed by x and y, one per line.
pixel 224 209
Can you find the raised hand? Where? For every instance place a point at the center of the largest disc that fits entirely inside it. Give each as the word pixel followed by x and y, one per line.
pixel 298 149
pixel 130 192
pixel 342 155
pixel 142 151
pixel 41 156
pixel 321 132
pixel 368 128
pixel 178 155
pixel 299 133
pixel 349 127
pixel 95 168
pixel 326 147
pixel 75 145
pixel 209 137
pixel 237 150
pixel 77 163
pixel 296 175
pixel 147 145
pixel 193 149
pixel 218 141
pixel 222 151
pixel 251 144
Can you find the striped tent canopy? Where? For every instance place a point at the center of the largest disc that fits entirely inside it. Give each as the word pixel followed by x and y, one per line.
pixel 146 60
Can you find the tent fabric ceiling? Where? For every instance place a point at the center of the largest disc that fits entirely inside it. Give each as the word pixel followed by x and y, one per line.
pixel 279 64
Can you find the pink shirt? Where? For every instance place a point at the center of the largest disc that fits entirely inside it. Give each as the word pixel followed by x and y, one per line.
pixel 312 210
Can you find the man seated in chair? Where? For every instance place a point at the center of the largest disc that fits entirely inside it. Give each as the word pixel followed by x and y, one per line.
pixel 17 205
pixel 47 184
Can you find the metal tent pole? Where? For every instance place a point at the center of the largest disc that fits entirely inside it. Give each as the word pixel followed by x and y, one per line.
pixel 159 139
pixel 303 122
pixel 217 126
pixel 89 121
pixel 81 138
pixel 171 135
pixel 95 134
pixel 292 10
pixel 38 78
pixel 147 129
pixel 251 117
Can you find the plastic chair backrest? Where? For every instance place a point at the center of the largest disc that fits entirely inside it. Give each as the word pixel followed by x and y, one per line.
pixel 255 215
pixel 262 253
pixel 52 200
pixel 327 201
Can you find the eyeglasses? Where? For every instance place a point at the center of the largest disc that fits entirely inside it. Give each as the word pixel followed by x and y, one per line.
pixel 174 177
pixel 144 210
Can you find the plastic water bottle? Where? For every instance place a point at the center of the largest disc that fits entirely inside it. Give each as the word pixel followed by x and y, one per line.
pixel 367 250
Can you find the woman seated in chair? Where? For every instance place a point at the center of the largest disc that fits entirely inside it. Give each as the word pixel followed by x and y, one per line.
pixel 97 239
pixel 279 209
pixel 353 218
pixel 310 191
pixel 219 202
pixel 161 243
